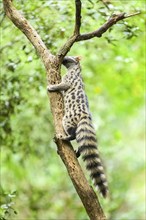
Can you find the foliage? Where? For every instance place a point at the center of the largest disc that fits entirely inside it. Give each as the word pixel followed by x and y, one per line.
pixel 113 72
pixel 7 208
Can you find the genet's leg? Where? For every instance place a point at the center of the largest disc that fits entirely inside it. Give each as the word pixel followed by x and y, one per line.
pixel 58 87
pixel 69 129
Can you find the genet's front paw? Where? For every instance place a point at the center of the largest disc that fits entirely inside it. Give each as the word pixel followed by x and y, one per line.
pixel 50 88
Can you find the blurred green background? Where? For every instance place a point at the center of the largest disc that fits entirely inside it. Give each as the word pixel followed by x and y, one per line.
pixel 34 181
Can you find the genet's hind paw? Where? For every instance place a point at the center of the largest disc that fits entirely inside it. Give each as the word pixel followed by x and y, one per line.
pixel 77 153
pixel 61 137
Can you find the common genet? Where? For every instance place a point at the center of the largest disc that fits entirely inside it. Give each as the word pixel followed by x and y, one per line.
pixel 77 122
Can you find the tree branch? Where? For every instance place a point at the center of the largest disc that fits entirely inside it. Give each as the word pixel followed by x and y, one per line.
pixel 20 22
pixel 84 190
pixel 98 33
pixel 69 43
pixel 77 17
pixel 66 47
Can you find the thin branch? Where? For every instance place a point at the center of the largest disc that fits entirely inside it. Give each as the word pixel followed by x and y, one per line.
pixel 133 14
pixel 106 3
pixel 66 47
pixel 78 17
pixel 98 33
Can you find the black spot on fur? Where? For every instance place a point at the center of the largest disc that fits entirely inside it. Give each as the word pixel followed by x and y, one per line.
pixel 73 96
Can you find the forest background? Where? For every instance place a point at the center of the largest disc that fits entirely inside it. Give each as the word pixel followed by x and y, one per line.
pixel 34 181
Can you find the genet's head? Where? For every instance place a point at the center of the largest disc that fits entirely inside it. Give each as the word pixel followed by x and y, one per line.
pixel 70 61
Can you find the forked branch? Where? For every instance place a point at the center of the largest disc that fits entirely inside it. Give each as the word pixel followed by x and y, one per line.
pixel 112 20
pixel 97 33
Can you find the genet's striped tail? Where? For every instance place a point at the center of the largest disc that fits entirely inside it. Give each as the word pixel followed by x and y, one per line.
pixel 86 138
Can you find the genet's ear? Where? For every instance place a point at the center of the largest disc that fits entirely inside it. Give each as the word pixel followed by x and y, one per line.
pixel 78 58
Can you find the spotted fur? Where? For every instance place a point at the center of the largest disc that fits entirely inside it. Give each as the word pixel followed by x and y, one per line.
pixel 77 121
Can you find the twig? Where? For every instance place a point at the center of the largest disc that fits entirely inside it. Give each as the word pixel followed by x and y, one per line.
pixel 133 14
pixel 106 3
